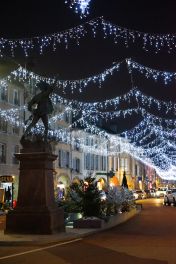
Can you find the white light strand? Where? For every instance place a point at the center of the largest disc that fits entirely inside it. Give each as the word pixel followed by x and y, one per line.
pixel 52 40
pixel 72 85
pixel 142 100
pixel 152 42
pixel 153 156
pixel 152 73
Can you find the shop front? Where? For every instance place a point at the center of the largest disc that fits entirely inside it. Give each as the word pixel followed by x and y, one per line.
pixel 7 191
pixel 62 184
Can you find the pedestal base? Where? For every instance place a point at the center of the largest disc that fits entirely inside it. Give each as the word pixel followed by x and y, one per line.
pixel 36 211
pixel 35 221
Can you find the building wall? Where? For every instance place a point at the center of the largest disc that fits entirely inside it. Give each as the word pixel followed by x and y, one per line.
pixel 11 96
pixel 80 155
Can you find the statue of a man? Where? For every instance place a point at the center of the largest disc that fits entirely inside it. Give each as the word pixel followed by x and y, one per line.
pixel 40 106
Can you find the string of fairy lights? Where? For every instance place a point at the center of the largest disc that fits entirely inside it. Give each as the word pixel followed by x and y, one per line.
pixel 152 141
pixel 148 41
pixel 80 85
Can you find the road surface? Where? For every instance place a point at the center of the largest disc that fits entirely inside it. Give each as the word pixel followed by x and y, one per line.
pixel 148 238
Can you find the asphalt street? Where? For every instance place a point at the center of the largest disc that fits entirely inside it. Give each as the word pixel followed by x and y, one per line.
pixel 147 238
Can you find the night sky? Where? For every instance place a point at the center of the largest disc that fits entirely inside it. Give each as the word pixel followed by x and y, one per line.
pixel 21 19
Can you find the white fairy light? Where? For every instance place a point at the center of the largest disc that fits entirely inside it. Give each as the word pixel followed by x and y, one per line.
pixel 153 42
pixel 40 43
pixel 160 156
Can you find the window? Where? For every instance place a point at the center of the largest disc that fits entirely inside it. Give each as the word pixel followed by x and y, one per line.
pixel 16 150
pixel 16 130
pixel 2 153
pixel 59 158
pixel 77 165
pixel 92 162
pixel 136 169
pixel 66 117
pixel 67 160
pixel 96 143
pixel 87 161
pixel 103 163
pixel 87 141
pixel 16 100
pixel 117 164
pixel 3 125
pixel 76 144
pixel 63 159
pixel 3 93
pixel 96 162
pixel 124 164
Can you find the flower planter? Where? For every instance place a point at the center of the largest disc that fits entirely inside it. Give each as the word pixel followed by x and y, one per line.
pixel 99 223
pixel 88 223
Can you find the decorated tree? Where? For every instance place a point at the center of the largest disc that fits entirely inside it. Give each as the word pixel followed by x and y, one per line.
pixel 119 199
pixel 86 196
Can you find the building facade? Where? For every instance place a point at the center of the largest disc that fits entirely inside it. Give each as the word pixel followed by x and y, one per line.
pixel 79 154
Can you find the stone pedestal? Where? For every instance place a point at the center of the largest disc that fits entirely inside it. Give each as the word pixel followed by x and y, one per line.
pixel 36 211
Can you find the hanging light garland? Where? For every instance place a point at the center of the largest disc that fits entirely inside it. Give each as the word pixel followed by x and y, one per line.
pixel 40 43
pixel 141 99
pixel 152 42
pixel 161 163
pixel 151 124
pixel 152 73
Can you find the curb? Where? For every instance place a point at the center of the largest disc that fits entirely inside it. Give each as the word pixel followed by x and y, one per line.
pixel 62 237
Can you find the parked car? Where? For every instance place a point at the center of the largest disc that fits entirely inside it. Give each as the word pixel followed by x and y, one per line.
pixel 139 194
pixel 160 192
pixel 152 193
pixel 170 197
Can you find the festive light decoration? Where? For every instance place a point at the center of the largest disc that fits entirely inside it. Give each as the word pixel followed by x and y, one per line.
pixel 79 85
pixel 40 43
pixel 154 42
pixel 152 73
pixel 80 6
pixel 141 100
pixel 160 154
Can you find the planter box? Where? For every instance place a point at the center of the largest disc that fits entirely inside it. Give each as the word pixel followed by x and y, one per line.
pixel 72 217
pixel 99 223
pixel 88 223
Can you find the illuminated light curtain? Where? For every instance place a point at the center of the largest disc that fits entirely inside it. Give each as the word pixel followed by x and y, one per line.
pixel 151 124
pixel 152 73
pixel 154 42
pixel 52 40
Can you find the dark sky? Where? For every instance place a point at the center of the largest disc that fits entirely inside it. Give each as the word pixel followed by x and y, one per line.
pixel 35 18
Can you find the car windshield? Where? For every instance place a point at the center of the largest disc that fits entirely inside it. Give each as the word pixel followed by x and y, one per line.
pixel 161 189
pixel 173 190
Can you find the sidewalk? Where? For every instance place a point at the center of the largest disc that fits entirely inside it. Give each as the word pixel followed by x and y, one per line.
pixel 69 234
pixel 20 239
pixel 25 239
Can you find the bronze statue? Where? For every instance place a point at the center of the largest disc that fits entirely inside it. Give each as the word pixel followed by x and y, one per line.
pixel 40 106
